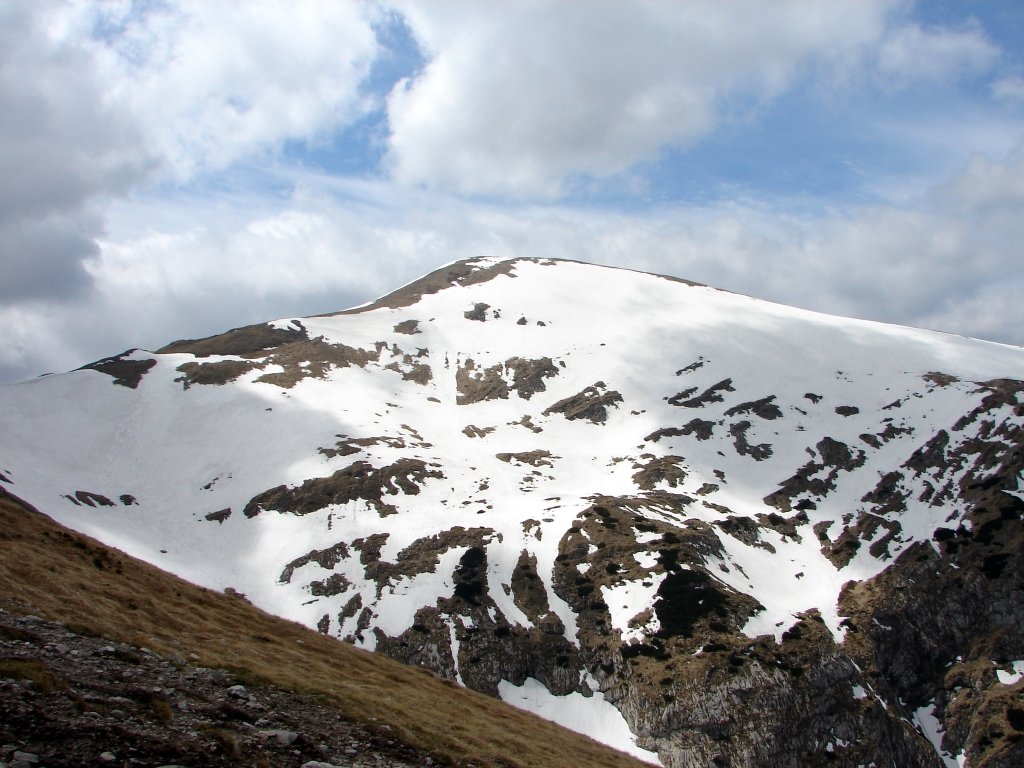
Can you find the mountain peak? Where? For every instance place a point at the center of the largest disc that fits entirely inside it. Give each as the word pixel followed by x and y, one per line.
pixel 603 494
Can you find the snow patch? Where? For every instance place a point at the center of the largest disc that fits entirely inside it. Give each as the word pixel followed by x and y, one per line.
pixel 592 716
pixel 931 727
pixel 1009 678
pixel 628 599
pixel 646 559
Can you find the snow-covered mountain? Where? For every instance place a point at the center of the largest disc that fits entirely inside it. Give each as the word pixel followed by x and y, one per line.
pixel 704 528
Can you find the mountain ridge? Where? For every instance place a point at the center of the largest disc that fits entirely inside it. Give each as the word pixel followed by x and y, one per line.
pixel 586 490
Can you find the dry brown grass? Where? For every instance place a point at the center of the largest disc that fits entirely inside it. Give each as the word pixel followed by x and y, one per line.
pixel 35 672
pixel 71 578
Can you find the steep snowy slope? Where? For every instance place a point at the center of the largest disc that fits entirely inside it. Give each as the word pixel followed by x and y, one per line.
pixel 625 501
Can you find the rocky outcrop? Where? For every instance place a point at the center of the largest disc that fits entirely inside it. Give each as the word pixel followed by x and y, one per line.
pixel 591 404
pixel 359 480
pixel 497 382
pixel 240 341
pixel 125 372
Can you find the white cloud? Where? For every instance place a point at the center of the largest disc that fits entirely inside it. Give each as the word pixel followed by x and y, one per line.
pixel 214 83
pixel 987 184
pixel 59 152
pixel 520 101
pixel 524 98
pixel 1009 89
pixel 97 99
pixel 986 314
pixel 950 263
pixel 910 53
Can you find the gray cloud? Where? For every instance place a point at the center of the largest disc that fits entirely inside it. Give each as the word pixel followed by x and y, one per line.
pixel 97 99
pixel 60 150
pixel 43 258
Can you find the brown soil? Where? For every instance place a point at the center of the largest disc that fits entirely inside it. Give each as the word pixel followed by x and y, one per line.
pixel 314 358
pixel 475 385
pixel 660 469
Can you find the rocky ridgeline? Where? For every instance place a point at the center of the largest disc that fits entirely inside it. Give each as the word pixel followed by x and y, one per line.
pixel 67 699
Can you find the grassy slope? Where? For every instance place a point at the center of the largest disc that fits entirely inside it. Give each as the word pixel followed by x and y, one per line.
pixel 71 578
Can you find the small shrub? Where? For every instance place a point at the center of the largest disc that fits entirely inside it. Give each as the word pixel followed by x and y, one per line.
pixel 226 741
pixel 162 710
pixel 18 635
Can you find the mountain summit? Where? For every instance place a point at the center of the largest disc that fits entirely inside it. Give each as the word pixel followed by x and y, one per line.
pixel 700 527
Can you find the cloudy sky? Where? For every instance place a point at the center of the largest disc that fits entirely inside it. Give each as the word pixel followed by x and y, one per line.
pixel 172 169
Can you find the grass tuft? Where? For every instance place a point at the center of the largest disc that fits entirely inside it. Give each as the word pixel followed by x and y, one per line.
pixel 33 671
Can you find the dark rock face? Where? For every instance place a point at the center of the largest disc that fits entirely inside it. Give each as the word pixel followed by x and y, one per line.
pixel 696 689
pixel 478 312
pixel 936 625
pixel 486 645
pixel 926 635
pixel 90 499
pixel 409 327
pixel 835 457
